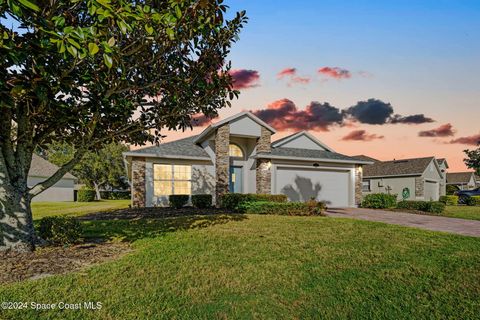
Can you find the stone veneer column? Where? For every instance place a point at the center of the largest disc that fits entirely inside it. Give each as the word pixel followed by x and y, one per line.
pixel 263 173
pixel 358 185
pixel 419 192
pixel 138 182
pixel 222 161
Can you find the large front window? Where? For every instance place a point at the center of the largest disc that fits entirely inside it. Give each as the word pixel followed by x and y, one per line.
pixel 172 179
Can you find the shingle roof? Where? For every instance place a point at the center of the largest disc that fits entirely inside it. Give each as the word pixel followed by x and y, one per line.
pixel 365 158
pixel 309 153
pixel 182 147
pixel 459 177
pixel 414 166
pixel 43 168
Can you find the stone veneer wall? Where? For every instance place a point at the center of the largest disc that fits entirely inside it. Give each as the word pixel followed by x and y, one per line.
pixel 138 182
pixel 222 160
pixel 419 192
pixel 263 172
pixel 358 185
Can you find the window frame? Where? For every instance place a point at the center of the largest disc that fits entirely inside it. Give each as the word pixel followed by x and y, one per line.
pixel 369 185
pixel 239 148
pixel 172 179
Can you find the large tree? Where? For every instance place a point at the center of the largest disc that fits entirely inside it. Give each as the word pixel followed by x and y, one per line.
pixel 90 72
pixel 473 159
pixel 98 169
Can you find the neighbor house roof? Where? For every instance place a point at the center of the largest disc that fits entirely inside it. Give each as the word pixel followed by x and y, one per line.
pixel 459 177
pixel 441 160
pixel 366 158
pixel 310 155
pixel 44 169
pixel 403 167
pixel 183 148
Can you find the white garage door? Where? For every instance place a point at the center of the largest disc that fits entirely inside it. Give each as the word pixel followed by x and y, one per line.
pixel 303 184
pixel 431 190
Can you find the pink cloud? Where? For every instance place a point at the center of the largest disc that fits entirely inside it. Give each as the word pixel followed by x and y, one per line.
pixel 361 135
pixel 445 130
pixel 291 74
pixel 335 72
pixel 244 79
pixel 471 140
pixel 287 72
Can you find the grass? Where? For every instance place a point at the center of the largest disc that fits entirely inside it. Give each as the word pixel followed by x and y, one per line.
pixel 44 209
pixel 267 267
pixel 463 212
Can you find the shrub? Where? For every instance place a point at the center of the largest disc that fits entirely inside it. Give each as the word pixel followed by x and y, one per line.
pixel 379 201
pixel 86 194
pixel 449 200
pixel 60 230
pixel 472 201
pixel 279 208
pixel 233 200
pixel 316 208
pixel 115 195
pixel 178 200
pixel 426 206
pixel 451 189
pixel 202 201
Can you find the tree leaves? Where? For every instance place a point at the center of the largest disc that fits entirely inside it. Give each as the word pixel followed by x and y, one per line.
pixel 107 60
pixel 92 48
pixel 30 5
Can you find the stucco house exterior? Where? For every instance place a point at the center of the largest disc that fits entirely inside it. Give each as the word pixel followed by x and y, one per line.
pixel 42 169
pixel 462 180
pixel 443 165
pixel 237 155
pixel 412 179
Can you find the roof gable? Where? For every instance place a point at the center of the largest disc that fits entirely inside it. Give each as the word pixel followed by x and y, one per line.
pixel 460 177
pixel 44 169
pixel 403 167
pixel 185 148
pixel 301 140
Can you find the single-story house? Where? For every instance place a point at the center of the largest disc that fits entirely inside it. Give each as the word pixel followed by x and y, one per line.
pixel 462 180
pixel 409 179
pixel 237 155
pixel 42 169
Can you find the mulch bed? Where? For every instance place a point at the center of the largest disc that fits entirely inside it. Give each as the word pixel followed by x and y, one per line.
pixel 47 261
pixel 152 213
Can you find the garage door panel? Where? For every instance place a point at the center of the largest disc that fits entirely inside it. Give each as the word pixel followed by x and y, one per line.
pixel 431 190
pixel 323 185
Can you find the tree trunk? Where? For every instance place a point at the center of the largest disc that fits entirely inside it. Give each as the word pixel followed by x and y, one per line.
pixel 97 191
pixel 16 223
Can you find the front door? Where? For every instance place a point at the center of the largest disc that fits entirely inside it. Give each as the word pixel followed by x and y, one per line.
pixel 236 179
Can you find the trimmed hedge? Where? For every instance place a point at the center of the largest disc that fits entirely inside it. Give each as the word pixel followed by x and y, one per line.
pixel 86 194
pixel 449 200
pixel 233 200
pixel 115 195
pixel 379 201
pixel 60 230
pixel 472 201
pixel 178 201
pixel 281 208
pixel 202 201
pixel 426 206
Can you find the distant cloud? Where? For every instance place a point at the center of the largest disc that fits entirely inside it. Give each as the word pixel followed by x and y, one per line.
pixel 470 140
pixel 291 75
pixel 244 79
pixel 200 120
pixel 335 72
pixel 445 130
pixel 361 135
pixel 372 111
pixel 413 119
pixel 284 115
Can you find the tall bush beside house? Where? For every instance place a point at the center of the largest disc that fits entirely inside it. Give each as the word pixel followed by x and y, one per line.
pixel 86 194
pixel 379 201
pixel 202 201
pixel 178 201
pixel 60 230
pixel 449 200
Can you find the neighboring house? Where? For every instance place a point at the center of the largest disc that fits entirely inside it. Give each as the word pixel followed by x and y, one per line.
pixel 40 170
pixel 414 179
pixel 462 180
pixel 237 155
pixel 477 180
pixel 443 165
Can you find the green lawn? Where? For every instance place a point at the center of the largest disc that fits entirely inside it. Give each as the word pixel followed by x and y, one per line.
pixel 43 209
pixel 463 212
pixel 267 267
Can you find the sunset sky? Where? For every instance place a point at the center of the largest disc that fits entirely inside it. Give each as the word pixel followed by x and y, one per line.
pixel 390 79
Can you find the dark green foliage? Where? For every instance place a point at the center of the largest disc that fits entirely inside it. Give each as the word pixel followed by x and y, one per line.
pixel 202 201
pixel 426 206
pixel 115 195
pixel 60 230
pixel 85 194
pixel 278 208
pixel 233 200
pixel 177 201
pixel 449 200
pixel 472 201
pixel 451 189
pixel 379 201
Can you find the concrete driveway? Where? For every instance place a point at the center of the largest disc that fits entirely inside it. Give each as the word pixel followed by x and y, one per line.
pixel 452 225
